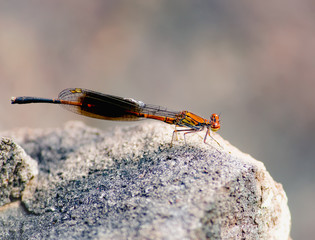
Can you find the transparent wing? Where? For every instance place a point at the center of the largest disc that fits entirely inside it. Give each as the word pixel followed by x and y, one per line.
pixel 109 107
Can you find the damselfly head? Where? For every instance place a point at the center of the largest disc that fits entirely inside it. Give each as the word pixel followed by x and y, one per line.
pixel 215 122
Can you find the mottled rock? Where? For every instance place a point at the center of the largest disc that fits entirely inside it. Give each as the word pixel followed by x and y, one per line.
pixel 129 183
pixel 17 169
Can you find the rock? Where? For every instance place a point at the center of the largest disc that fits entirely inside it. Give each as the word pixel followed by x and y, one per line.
pixel 17 169
pixel 129 183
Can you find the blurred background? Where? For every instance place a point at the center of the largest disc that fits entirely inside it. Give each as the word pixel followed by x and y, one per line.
pixel 251 61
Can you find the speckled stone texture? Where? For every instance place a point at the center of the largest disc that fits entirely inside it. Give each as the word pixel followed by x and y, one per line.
pixel 17 169
pixel 129 183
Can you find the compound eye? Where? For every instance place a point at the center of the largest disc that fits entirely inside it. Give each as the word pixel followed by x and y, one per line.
pixel 214 117
pixel 215 122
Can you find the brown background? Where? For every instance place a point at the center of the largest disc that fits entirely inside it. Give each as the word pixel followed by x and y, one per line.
pixel 251 61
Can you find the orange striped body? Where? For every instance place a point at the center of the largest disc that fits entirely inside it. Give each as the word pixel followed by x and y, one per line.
pixel 187 119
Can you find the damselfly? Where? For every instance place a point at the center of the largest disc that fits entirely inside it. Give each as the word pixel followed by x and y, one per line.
pixel 103 106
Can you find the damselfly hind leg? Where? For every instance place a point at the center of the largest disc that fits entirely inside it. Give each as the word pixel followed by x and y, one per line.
pixel 183 130
pixel 174 134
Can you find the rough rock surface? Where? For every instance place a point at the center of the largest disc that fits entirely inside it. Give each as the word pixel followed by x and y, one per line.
pixel 17 169
pixel 130 184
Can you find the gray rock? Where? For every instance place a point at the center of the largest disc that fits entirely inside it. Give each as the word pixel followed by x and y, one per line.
pixel 129 183
pixel 17 169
